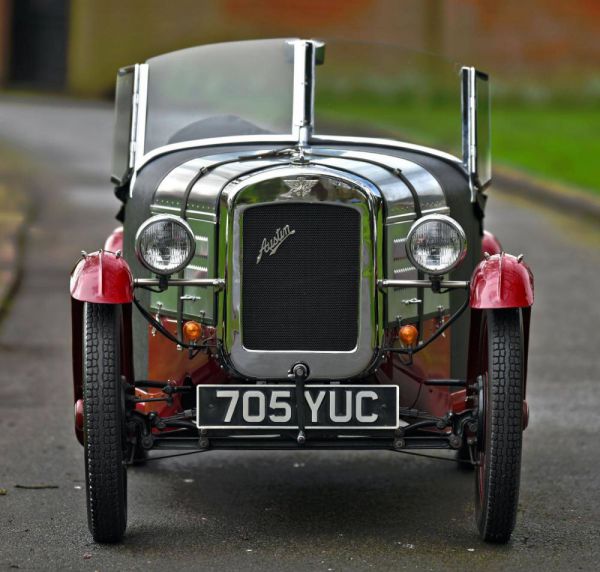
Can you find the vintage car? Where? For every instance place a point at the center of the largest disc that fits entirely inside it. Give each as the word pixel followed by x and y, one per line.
pixel 279 283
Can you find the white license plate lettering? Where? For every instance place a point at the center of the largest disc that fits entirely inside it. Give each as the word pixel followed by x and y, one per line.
pixel 340 406
pixel 234 395
pixel 254 405
pixel 276 405
pixel 254 400
pixel 314 404
pixel 360 416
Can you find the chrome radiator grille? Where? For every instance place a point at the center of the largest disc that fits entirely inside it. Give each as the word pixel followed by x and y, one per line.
pixel 300 277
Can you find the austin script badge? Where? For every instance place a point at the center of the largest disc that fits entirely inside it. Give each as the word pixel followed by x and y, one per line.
pixel 270 246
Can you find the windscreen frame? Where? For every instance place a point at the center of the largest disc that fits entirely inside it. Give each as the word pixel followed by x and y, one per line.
pixel 476 128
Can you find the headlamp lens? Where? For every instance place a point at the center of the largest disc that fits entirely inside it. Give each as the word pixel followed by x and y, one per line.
pixel 165 244
pixel 436 244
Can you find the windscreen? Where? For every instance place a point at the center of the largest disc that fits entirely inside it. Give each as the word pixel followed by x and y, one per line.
pixel 377 90
pixel 220 90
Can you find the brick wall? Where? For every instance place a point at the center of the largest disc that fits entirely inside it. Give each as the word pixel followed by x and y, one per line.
pixel 547 41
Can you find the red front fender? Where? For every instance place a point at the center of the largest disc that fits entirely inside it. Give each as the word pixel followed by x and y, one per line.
pixel 103 278
pixel 501 281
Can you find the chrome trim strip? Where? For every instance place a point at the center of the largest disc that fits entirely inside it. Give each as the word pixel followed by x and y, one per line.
pixel 216 142
pixel 201 213
pixel 158 206
pixel 155 206
pixel 385 283
pixel 218 283
pixel 410 216
pixel 382 142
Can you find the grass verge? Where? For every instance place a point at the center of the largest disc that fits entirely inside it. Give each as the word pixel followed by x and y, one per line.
pixel 553 141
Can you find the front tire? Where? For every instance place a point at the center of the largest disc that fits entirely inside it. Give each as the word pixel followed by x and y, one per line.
pixel 498 451
pixel 105 441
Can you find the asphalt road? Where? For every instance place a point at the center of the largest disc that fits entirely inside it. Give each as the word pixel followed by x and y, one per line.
pixel 283 511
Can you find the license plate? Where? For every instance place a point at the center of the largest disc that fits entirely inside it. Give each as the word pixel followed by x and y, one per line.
pixel 273 406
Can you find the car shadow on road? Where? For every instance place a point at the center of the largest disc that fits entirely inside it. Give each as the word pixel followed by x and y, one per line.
pixel 245 499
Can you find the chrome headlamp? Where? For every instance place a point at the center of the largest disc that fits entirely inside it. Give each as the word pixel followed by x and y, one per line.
pixel 165 244
pixel 436 244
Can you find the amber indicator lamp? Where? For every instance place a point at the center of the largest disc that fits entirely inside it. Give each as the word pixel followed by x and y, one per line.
pixel 192 330
pixel 408 335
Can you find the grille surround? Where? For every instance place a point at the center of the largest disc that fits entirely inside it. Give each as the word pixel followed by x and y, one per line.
pixel 304 292
pixel 274 185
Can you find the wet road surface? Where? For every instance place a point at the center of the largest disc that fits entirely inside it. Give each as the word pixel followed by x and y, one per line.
pixel 282 511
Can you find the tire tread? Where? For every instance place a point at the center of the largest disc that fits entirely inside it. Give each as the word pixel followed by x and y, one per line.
pixel 105 478
pixel 505 395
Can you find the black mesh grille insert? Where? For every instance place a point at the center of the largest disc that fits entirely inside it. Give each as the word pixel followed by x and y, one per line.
pixel 305 295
